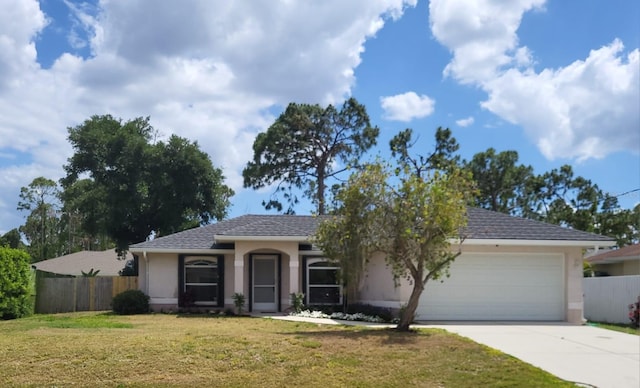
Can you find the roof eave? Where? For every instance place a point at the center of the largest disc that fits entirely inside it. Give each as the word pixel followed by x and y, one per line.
pixel 555 243
pixel 226 238
pixel 181 251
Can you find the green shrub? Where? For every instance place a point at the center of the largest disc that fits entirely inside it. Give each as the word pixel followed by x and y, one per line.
pixel 130 302
pixel 238 301
pixel 15 281
pixel 297 301
pixel 375 311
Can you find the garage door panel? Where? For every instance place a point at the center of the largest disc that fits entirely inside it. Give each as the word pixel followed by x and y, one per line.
pixel 504 287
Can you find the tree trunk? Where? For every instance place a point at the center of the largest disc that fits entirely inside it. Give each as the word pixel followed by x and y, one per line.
pixel 320 193
pixel 410 310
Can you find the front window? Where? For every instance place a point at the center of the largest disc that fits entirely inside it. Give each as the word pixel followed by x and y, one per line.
pixel 201 282
pixel 323 286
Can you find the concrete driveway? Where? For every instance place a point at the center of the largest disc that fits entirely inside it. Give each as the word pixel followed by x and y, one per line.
pixel 583 354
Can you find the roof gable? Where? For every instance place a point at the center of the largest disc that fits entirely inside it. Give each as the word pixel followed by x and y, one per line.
pixel 75 263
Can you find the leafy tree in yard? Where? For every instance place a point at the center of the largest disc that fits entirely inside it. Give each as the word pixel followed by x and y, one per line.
pixel 42 227
pixel 411 221
pixel 15 298
pixel 345 238
pixel 302 149
pixel 135 187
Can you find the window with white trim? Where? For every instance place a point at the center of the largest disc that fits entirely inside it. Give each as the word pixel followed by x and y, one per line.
pixel 323 286
pixel 201 281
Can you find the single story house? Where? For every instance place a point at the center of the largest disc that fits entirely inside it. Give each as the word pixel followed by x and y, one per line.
pixel 616 262
pixel 75 264
pixel 510 269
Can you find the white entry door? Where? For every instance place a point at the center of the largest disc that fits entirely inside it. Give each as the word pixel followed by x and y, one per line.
pixel 265 283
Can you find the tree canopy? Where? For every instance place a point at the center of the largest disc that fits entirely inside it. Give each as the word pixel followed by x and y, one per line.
pixel 501 183
pixel 124 185
pixel 410 215
pixel 305 147
pixel 556 196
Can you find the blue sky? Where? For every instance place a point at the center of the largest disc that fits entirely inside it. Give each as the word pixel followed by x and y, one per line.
pixel 557 80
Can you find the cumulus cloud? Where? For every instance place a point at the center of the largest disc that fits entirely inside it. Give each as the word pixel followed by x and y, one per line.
pixel 465 122
pixel 480 34
pixel 587 109
pixel 209 71
pixel 407 106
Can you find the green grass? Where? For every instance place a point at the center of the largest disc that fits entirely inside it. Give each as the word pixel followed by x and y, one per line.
pixel 616 327
pixel 93 349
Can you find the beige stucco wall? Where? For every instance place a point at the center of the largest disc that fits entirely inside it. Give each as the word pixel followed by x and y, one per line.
pixel 629 267
pixel 290 260
pixel 160 275
pixel 158 278
pixel 378 287
pixel 632 267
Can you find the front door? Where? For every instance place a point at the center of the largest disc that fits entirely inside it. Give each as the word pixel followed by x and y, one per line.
pixel 265 283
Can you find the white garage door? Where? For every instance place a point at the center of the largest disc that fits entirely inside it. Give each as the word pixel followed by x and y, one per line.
pixel 514 287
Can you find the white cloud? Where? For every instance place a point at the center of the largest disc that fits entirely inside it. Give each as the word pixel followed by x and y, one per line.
pixel 480 34
pixel 465 122
pixel 209 71
pixel 587 109
pixel 407 106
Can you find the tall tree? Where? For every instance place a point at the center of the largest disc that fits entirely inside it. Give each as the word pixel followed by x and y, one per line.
pixel 11 239
pixel 443 157
pixel 411 221
pixel 556 196
pixel 613 221
pixel 83 216
pixel 500 180
pixel 41 229
pixel 135 188
pixel 305 147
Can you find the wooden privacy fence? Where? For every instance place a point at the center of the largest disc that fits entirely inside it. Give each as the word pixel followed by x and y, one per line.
pixel 607 299
pixel 63 295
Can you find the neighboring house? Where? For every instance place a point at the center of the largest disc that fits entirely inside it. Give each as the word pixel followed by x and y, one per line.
pixel 616 262
pixel 84 261
pixel 510 269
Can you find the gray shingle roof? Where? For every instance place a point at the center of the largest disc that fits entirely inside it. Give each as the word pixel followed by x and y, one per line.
pixel 247 225
pixel 487 224
pixel 482 224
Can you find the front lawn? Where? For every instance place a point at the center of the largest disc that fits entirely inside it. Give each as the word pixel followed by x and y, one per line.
pixel 89 349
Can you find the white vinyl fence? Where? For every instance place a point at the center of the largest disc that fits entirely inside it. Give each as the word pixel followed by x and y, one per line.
pixel 606 299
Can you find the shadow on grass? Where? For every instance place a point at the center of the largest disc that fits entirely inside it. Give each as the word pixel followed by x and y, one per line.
pixel 208 315
pixel 388 336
